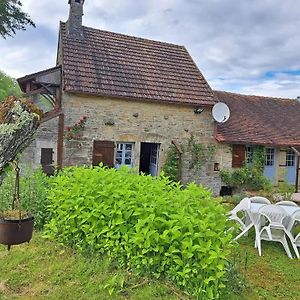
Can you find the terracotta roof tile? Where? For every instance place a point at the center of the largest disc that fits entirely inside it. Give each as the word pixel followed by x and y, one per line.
pixel 260 120
pixel 110 64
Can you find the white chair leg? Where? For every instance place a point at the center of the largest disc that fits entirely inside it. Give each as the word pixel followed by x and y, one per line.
pixel 243 232
pixel 296 250
pixel 293 243
pixel 286 247
pixel 258 244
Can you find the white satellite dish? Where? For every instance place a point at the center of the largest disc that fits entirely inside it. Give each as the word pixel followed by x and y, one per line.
pixel 221 112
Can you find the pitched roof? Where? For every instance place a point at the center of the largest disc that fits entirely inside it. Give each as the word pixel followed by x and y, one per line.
pixel 110 64
pixel 260 120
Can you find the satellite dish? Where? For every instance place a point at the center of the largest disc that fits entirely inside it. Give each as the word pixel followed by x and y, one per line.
pixel 221 112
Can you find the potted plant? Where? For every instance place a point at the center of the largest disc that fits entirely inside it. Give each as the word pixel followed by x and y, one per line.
pixel 19 119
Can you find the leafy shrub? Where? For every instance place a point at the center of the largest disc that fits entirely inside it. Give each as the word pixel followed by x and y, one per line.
pixel 286 190
pixel 172 165
pixel 33 194
pixel 147 224
pixel 246 178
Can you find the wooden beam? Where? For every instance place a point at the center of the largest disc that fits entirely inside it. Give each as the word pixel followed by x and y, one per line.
pixel 178 147
pixel 60 140
pixel 295 150
pixel 50 115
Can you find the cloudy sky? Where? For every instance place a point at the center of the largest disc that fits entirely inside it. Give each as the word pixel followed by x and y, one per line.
pixel 247 46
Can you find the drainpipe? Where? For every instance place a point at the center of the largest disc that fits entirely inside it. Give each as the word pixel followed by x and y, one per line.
pixel 297 167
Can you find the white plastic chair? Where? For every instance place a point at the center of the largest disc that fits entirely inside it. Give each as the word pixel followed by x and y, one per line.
pixel 274 230
pixel 259 199
pixel 244 221
pixel 295 240
pixel 286 203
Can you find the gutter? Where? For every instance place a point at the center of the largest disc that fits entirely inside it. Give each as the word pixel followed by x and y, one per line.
pixel 297 168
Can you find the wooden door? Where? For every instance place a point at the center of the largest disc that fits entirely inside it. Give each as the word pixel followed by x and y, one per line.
pixel 103 152
pixel 47 160
pixel 238 156
pixel 154 159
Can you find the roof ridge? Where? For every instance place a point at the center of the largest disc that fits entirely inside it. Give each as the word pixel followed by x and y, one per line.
pixel 129 36
pixel 255 96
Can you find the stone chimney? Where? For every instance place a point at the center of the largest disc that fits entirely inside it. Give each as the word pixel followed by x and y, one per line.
pixel 74 23
pixel 298 98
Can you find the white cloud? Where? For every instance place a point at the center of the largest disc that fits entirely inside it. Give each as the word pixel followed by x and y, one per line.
pixel 234 42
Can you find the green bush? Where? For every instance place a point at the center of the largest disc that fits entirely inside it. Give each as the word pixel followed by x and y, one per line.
pixel 172 165
pixel 286 190
pixel 147 224
pixel 246 178
pixel 33 194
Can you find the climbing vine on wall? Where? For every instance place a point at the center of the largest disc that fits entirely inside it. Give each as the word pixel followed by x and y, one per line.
pixel 258 161
pixel 171 167
pixel 75 132
pixel 201 154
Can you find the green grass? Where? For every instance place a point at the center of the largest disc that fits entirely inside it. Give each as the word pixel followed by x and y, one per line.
pixel 46 270
pixel 271 276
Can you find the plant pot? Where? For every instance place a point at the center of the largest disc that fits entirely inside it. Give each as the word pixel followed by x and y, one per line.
pixel 15 232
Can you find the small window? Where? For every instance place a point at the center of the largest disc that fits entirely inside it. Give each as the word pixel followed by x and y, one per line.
pixel 290 158
pixel 269 157
pixel 124 154
pixel 249 155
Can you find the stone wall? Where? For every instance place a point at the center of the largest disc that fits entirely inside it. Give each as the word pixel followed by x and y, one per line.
pixel 121 120
pixel 45 137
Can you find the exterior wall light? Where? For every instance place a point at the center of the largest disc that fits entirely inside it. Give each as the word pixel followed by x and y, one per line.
pixel 198 110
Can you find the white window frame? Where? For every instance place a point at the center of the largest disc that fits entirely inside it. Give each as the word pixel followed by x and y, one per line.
pixel 270 157
pixel 123 154
pixel 249 155
pixel 290 158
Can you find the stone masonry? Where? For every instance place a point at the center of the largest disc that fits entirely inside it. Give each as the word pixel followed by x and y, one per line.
pixel 122 120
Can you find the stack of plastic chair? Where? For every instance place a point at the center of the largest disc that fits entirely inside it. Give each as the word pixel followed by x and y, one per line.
pixel 274 230
pixel 240 214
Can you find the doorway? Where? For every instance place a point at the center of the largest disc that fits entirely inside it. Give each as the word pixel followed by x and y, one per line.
pixel 149 158
pixel 47 161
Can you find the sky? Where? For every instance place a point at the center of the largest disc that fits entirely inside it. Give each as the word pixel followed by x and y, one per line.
pixel 244 46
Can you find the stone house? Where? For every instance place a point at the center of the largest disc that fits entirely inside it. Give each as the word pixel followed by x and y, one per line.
pixel 263 121
pixel 140 97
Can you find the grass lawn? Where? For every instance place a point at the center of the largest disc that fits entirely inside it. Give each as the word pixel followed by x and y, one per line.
pixel 45 270
pixel 271 276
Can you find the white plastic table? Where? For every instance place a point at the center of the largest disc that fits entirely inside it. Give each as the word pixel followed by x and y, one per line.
pixel 254 208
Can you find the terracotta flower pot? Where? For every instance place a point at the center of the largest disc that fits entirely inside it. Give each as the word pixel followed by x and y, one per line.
pixel 15 232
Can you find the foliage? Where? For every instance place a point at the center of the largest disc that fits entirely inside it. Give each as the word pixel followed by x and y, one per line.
pixel 147 224
pixel 171 167
pixel 246 178
pixel 201 154
pixel 8 86
pixel 33 194
pixel 236 282
pixel 19 119
pixel 12 18
pixel 258 159
pixel 286 190
pixel 74 132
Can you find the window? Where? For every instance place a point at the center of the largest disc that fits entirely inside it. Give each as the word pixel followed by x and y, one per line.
pixel 249 155
pixel 124 154
pixel 290 158
pixel 269 157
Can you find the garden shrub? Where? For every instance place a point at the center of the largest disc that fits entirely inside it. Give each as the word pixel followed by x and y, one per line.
pixel 246 178
pixel 33 194
pixel 286 190
pixel 147 224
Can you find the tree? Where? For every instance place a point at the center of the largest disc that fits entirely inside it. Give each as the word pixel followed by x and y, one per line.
pixel 19 120
pixel 12 18
pixel 8 87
